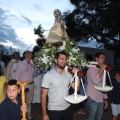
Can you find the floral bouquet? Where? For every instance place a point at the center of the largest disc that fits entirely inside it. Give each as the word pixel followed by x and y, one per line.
pixel 45 57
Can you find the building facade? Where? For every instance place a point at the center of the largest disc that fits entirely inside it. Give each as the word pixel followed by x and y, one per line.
pixel 90 54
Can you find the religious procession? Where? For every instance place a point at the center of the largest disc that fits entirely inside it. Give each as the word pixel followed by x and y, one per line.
pixel 59 83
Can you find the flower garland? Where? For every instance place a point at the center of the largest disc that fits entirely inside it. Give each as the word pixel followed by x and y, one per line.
pixel 45 57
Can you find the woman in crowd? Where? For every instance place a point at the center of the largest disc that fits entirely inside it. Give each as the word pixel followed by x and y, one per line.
pixel 2 85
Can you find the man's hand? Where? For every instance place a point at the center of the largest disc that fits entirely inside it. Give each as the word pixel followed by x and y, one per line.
pixel 45 117
pixel 102 67
pixel 105 104
pixel 74 70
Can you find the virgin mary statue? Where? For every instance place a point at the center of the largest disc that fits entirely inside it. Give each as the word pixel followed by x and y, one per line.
pixel 57 32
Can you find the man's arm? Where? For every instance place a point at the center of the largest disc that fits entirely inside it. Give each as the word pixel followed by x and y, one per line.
pixel 4 68
pixel 44 93
pixel 78 84
pixel 105 97
pixel 18 72
pixel 105 104
pixel 74 70
pixel 8 71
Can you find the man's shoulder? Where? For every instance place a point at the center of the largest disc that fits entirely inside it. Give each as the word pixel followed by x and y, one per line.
pixel 49 72
pixel 92 68
pixel 2 62
pixel 68 75
pixel 12 61
pixel 21 62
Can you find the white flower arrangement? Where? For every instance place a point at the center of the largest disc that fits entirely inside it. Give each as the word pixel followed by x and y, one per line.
pixel 45 57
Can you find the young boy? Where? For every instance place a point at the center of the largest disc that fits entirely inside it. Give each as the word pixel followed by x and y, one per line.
pixel 10 108
pixel 115 98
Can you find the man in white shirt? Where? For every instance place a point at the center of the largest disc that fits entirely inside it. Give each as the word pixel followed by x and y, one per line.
pixel 10 69
pixel 54 87
pixel 2 64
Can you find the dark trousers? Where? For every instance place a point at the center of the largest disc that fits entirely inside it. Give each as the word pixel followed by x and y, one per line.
pixel 66 114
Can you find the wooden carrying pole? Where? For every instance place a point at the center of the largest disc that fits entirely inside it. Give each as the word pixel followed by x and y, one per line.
pixel 23 84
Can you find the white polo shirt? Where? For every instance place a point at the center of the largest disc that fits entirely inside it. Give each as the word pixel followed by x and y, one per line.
pixel 57 85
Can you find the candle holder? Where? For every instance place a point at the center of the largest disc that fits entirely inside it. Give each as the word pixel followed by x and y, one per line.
pixel 75 98
pixel 104 87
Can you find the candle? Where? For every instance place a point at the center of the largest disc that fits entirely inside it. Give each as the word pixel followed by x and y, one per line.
pixel 104 78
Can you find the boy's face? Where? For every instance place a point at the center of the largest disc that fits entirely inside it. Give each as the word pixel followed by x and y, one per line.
pixel 12 91
pixel 117 77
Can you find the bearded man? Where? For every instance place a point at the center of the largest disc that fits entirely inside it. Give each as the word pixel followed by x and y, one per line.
pixel 55 85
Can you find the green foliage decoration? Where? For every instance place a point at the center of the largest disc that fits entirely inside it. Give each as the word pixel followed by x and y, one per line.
pixel 44 58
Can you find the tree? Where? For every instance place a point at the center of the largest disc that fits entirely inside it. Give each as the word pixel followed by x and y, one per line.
pixel 7 50
pixel 41 39
pixel 11 50
pixel 3 50
pixel 95 20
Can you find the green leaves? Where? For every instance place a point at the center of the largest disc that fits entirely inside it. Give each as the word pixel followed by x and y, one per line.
pixel 45 57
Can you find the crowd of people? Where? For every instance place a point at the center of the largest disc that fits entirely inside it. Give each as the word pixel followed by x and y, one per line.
pixel 54 88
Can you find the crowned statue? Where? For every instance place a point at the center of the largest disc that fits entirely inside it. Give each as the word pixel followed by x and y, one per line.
pixel 57 33
pixel 56 41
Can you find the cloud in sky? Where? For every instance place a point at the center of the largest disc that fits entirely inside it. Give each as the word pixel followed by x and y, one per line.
pixel 8 36
pixel 27 20
pixel 19 18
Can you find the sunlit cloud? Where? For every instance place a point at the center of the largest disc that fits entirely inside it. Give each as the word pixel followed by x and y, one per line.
pixel 18 20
